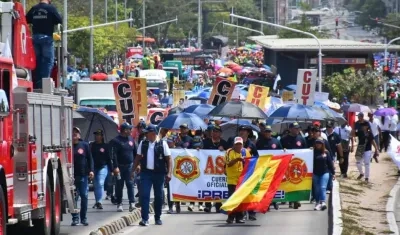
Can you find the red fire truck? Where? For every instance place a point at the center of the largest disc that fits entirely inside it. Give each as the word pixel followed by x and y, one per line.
pixel 35 138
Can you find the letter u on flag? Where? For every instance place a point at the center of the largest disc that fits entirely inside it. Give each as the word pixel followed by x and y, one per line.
pixel 258 95
pixel 258 183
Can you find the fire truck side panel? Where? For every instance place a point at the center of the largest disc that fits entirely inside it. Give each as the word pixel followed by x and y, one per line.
pixel 40 129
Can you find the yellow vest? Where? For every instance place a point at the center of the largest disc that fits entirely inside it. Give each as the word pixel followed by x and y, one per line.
pixel 233 172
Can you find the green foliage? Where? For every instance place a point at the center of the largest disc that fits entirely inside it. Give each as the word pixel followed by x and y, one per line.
pixel 391 32
pixel 305 6
pixel 371 9
pixel 305 26
pixel 106 39
pixel 358 85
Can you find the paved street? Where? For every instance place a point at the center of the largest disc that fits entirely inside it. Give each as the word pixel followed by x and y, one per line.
pixel 304 221
pixel 96 218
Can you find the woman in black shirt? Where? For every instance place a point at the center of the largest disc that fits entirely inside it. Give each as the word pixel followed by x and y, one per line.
pixel 323 165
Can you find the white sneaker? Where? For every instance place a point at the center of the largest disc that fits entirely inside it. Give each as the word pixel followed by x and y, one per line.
pixel 317 207
pixel 323 206
pixel 120 208
pixel 191 208
pixel 201 208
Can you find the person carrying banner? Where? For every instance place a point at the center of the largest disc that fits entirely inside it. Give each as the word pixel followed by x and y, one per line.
pixel 154 163
pixel 234 158
pixel 214 142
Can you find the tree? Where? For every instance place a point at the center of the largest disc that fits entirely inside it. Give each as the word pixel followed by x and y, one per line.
pixel 371 9
pixel 359 85
pixel 304 25
pixel 391 32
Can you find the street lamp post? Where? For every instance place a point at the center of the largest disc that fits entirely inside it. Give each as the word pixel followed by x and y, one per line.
pixel 245 28
pixel 297 31
pixel 91 50
pixel 199 24
pixel 144 26
pixel 65 42
pixel 386 49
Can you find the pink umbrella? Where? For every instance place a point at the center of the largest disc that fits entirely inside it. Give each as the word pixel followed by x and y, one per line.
pixel 217 67
pixel 236 69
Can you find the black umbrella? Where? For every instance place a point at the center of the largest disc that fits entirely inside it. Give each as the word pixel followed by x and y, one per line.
pixel 175 110
pixel 238 109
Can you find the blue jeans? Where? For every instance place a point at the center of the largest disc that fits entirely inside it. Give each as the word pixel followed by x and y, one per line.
pixel 126 172
pixel 44 50
pixel 110 182
pixel 150 179
pixel 100 176
pixel 82 189
pixel 320 183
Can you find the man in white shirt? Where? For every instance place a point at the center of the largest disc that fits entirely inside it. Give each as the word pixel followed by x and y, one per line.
pixel 154 163
pixel 344 131
pixel 375 124
pixel 393 125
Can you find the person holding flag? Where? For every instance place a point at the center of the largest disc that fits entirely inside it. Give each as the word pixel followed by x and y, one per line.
pixel 234 166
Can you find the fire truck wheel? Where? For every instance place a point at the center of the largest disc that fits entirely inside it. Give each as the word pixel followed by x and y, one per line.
pixel 3 228
pixel 57 208
pixel 43 226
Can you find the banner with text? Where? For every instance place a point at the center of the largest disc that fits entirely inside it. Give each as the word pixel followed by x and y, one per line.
pixel 156 115
pixel 178 95
pixel 140 91
pixel 198 176
pixel 306 82
pixel 258 95
pixel 127 107
pixel 222 91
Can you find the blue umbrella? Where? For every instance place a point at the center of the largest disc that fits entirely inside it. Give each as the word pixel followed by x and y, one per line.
pixel 193 121
pixel 200 110
pixel 204 94
pixel 335 115
pixel 299 111
pixel 90 119
pixel 202 100
pixel 292 87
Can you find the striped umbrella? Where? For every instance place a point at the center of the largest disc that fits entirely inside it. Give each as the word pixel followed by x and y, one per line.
pixel 174 121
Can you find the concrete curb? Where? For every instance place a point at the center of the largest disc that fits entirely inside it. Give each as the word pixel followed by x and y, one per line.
pixel 337 223
pixel 121 223
pixel 391 208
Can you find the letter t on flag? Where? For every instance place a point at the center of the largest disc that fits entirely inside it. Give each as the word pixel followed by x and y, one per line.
pixel 7 53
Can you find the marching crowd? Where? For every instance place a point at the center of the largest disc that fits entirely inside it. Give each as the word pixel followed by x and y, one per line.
pixel 146 160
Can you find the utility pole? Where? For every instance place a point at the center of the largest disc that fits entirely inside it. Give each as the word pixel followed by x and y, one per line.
pixel 106 10
pixel 199 25
pixel 116 13
pixel 262 15
pixel 91 40
pixel 125 9
pixel 65 43
pixel 144 26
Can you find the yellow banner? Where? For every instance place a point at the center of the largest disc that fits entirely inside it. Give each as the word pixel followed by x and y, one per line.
pixel 177 95
pixel 127 107
pixel 287 96
pixel 222 91
pixel 140 93
pixel 258 95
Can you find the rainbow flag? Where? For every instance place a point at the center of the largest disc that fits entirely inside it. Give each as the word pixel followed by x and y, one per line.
pixel 258 183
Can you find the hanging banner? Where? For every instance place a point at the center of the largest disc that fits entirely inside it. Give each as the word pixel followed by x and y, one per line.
pixel 198 176
pixel 258 95
pixel 140 93
pixel 394 151
pixel 178 95
pixel 156 115
pixel 126 102
pixel 221 92
pixel 306 82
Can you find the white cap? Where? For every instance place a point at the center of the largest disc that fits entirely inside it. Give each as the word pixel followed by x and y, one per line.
pixel 238 140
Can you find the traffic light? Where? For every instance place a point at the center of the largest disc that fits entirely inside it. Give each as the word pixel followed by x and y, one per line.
pixel 386 72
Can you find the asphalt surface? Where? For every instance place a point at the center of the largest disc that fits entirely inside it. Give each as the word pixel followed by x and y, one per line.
pixel 96 218
pixel 304 221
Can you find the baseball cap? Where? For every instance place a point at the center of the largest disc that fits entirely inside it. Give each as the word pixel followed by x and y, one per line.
pixel 197 142
pixel 217 128
pixel 329 125
pixel 141 124
pixel 316 123
pixel 210 127
pixel 268 128
pixel 319 140
pixel 150 128
pixel 76 129
pixel 245 127
pixel 125 125
pixel 238 140
pixel 315 129
pixel 98 132
pixel 294 125
pixel 360 114
pixel 184 126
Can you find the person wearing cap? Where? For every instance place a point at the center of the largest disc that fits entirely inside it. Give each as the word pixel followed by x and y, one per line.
pixel 214 142
pixel 293 140
pixel 83 169
pixel 102 165
pixel 336 148
pixel 141 135
pixel 318 124
pixel 266 141
pixel 234 159
pixel 123 152
pixel 322 168
pixel 347 142
pixel 184 140
pixel 154 163
pixel 364 151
